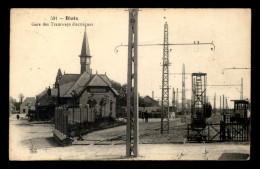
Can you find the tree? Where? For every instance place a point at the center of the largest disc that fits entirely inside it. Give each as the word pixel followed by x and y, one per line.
pixel 17 105
pixel 11 100
pixel 121 90
pixel 58 77
pixel 21 96
pixel 122 94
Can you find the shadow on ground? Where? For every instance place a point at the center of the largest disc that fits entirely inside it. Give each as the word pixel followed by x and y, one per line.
pixel 40 143
pixel 233 156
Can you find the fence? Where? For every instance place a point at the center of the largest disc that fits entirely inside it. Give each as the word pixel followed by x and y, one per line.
pixel 61 121
pixel 224 131
pixel 80 115
pixel 66 118
pixel 235 128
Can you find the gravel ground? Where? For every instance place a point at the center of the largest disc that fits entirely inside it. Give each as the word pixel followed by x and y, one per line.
pixel 35 142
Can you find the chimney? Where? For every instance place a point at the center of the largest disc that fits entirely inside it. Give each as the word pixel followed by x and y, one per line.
pixel 153 94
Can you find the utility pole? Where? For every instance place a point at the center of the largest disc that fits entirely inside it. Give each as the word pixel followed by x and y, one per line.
pixel 132 130
pixel 177 100
pixel 183 90
pixel 241 91
pixel 173 97
pixel 165 79
pixel 220 104
pixel 165 83
pixel 132 134
pixel 223 103
pixel 226 103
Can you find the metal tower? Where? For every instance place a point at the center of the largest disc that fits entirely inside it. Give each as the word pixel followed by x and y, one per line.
pixel 183 108
pixel 183 89
pixel 165 83
pixel 199 81
pixel 132 130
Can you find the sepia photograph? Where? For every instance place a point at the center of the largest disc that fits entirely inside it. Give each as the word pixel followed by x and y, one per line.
pixel 130 84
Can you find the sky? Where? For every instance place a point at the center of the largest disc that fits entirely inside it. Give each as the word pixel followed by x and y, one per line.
pixel 37 52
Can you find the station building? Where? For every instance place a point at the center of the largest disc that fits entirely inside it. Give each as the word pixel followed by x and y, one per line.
pixel 81 90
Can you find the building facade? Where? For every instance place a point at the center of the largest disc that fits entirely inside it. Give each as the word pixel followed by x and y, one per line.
pixel 82 90
pixel 28 104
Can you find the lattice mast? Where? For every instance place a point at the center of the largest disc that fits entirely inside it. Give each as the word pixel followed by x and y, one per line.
pixel 165 83
pixel 199 86
pixel 183 108
pixel 132 130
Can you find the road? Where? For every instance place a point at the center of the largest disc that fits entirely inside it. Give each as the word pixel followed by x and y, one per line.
pixel 34 142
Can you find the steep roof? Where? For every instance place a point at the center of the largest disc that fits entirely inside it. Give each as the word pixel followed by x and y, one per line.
pixel 67 78
pixel 41 94
pixel 54 93
pixel 79 84
pixel 97 81
pixel 151 101
pixel 65 88
pixel 85 45
pixel 106 79
pixel 116 93
pixel 29 101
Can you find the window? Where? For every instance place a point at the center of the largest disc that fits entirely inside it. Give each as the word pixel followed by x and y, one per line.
pixel 23 110
pixel 88 60
pixel 82 59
